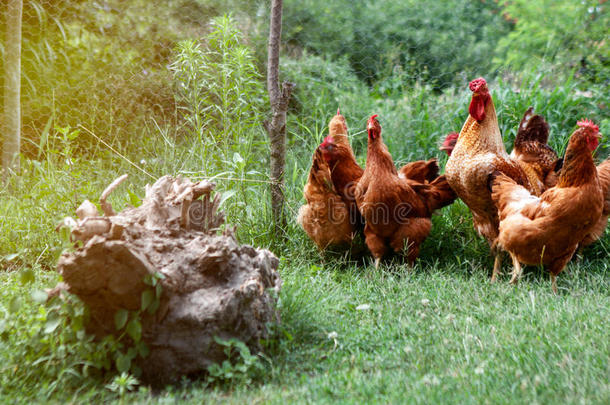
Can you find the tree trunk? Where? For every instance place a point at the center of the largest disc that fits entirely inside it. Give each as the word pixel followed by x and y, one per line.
pixel 12 85
pixel 276 128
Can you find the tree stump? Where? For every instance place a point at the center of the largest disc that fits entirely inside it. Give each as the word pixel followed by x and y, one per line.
pixel 211 285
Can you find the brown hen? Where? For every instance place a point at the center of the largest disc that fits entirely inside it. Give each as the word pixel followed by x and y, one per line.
pixel 547 229
pixel 396 214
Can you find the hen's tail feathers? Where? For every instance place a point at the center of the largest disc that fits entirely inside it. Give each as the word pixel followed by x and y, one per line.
pixel 421 170
pixel 508 196
pixel 533 128
pixel 603 172
pixel 437 194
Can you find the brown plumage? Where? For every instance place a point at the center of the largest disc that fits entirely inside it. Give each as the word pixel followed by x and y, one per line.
pixel 325 217
pixel 337 129
pixel 547 229
pixel 397 217
pixel 421 171
pixel 532 152
pixel 345 174
pixel 603 174
pixel 479 151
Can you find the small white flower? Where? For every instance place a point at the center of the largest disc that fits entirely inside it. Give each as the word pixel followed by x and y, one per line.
pixel 425 302
pixel 407 349
pixel 431 379
pixel 537 380
pixel 333 335
pixel 363 307
pixel 450 317
pixel 479 370
pixel 523 384
pixel 142 162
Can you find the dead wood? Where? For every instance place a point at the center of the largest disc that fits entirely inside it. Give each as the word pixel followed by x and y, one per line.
pixel 211 285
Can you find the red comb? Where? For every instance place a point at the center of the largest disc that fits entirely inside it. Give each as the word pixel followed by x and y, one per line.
pixel 585 123
pixel 327 141
pixel 476 84
pixel 374 116
pixel 338 111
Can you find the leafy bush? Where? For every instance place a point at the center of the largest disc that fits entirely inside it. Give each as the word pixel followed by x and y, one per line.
pixel 568 35
pixel 436 42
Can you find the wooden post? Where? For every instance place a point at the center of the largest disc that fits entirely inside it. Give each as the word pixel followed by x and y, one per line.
pixel 12 85
pixel 276 128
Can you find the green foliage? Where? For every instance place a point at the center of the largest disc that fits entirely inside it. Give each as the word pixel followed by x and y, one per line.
pixel 560 33
pixel 46 343
pixel 436 42
pixel 238 367
pixel 219 91
pixel 128 345
pixel 122 384
pixel 223 103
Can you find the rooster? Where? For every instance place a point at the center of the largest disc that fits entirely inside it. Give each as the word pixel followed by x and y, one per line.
pixel 547 229
pixel 397 215
pixel 479 151
pixel 531 151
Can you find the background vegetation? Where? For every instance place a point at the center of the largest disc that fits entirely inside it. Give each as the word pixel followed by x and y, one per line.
pixel 179 88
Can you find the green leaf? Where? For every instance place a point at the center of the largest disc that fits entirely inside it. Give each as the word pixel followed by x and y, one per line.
pixel 134 330
pixel 237 159
pixel 14 305
pixel 120 318
pixel 134 199
pixel 39 296
pixel 153 307
pixel 53 321
pixel 147 299
pixel 123 363
pixel 158 291
pixel 143 349
pixel 27 276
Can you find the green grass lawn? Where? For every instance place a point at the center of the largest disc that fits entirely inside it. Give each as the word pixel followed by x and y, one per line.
pixel 440 332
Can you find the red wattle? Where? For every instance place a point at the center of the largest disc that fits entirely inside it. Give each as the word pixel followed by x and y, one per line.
pixel 477 108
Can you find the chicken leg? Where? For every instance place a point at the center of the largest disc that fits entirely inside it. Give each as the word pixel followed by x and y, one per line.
pixel 497 267
pixel 516 269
